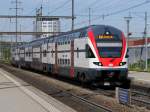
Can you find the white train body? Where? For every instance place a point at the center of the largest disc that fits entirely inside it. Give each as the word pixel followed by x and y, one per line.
pixel 88 54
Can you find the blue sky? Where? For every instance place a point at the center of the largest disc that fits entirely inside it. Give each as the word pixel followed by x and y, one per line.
pixel 98 8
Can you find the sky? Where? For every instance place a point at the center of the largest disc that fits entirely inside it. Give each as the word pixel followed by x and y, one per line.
pixel 108 12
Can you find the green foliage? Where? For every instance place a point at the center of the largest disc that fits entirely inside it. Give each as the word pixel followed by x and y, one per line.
pixel 6 55
pixel 139 66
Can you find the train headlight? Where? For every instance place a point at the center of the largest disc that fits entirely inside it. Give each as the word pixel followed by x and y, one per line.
pixel 122 63
pixel 98 63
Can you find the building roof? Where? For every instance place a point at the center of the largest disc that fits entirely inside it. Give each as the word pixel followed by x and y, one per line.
pixel 137 42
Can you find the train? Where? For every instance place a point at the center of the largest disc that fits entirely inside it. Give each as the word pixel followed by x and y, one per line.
pixel 96 53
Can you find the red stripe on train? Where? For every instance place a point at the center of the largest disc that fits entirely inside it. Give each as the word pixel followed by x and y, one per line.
pixel 107 61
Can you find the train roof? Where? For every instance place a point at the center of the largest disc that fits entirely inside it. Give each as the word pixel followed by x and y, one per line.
pixel 60 36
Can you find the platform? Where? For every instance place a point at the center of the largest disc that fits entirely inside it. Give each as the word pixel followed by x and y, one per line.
pixel 18 96
pixel 140 78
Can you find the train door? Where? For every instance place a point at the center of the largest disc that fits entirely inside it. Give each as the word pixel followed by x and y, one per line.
pixel 56 58
pixel 72 60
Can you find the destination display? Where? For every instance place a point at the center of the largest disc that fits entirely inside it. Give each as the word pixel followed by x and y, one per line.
pixel 104 37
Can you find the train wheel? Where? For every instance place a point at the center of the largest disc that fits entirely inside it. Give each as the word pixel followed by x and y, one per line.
pixel 83 80
pixel 19 66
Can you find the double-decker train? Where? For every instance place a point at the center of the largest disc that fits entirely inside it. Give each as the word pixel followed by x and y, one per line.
pixel 96 53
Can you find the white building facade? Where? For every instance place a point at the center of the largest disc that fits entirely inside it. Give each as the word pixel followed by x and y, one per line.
pixel 47 25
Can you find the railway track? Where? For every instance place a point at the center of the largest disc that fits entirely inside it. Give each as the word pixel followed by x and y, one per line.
pixel 84 100
pixel 77 102
pixel 140 98
pixel 137 96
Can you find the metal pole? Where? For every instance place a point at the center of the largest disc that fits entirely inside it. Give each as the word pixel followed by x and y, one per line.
pixel 16 21
pixel 2 51
pixel 36 23
pixel 20 34
pixel 89 16
pixel 128 26
pixel 146 42
pixel 10 36
pixel 1 46
pixel 128 29
pixel 41 10
pixel 72 14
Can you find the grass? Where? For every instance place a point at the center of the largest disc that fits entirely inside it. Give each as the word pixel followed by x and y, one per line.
pixel 139 66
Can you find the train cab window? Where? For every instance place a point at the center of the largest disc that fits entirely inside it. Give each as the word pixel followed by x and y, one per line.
pixel 127 55
pixel 89 52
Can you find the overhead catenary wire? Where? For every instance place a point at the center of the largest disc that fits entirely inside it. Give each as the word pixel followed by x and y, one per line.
pixel 38 5
pixel 89 5
pixel 107 5
pixel 117 12
pixel 103 6
pixel 59 7
pixel 126 9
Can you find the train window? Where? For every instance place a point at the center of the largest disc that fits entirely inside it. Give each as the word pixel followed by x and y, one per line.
pixel 44 53
pixel 29 54
pixel 52 53
pixel 58 61
pixel 66 61
pixel 77 52
pixel 83 34
pixel 62 61
pixel 68 42
pixel 89 52
pixel 110 52
pixel 26 53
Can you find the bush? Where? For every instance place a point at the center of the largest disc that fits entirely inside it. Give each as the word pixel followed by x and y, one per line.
pixel 139 66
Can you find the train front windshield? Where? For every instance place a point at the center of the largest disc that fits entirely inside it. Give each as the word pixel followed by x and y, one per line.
pixel 110 52
pixel 109 43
